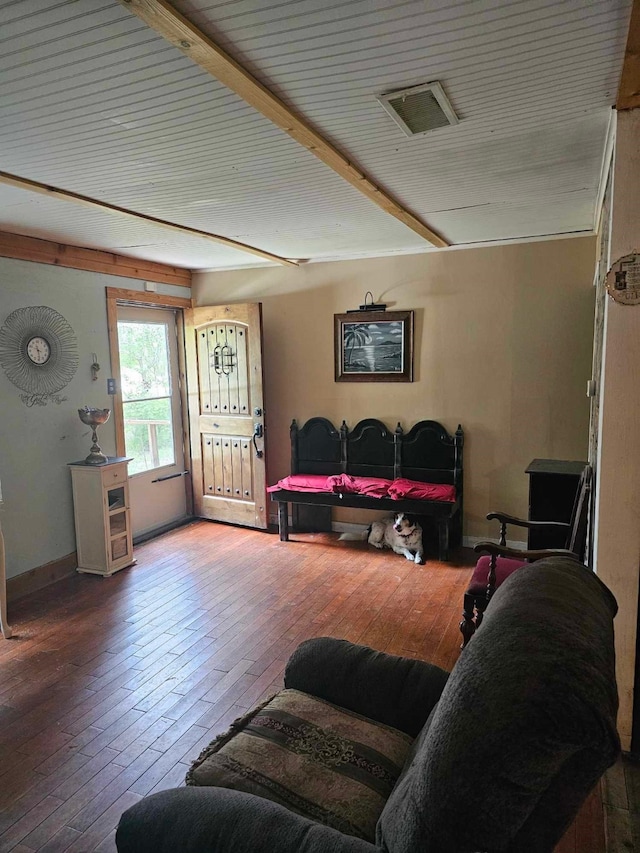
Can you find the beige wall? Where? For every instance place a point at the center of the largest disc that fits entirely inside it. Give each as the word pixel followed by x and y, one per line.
pixel 503 346
pixel 618 484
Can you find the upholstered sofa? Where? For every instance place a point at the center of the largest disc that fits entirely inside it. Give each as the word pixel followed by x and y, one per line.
pixel 498 755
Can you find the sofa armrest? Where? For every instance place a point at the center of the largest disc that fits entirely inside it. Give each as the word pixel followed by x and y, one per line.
pixel 399 692
pixel 220 820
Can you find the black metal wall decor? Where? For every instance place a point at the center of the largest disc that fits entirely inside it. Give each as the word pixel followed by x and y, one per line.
pixel 368 306
pixel 38 353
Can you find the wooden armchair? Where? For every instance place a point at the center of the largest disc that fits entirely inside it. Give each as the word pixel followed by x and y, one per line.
pixel 491 571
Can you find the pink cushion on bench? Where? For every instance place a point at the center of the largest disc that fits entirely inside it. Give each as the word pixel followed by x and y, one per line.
pixel 304 483
pixel 416 490
pixel 373 487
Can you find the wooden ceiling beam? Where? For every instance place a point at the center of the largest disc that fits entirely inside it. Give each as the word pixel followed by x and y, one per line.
pixel 67 195
pixel 169 23
pixel 629 89
pixel 23 248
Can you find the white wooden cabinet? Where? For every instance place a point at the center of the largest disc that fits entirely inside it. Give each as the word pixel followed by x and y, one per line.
pixel 104 540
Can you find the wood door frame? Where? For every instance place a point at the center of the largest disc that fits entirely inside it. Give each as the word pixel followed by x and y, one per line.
pixel 122 296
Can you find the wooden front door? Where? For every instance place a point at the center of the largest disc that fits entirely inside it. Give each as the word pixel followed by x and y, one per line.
pixel 226 413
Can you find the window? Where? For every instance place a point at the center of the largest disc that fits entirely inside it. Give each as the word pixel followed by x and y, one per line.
pixel 146 394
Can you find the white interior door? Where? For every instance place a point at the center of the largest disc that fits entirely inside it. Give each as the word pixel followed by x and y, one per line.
pixel 149 376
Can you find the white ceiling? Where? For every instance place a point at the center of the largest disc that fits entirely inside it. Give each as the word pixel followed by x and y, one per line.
pixel 94 102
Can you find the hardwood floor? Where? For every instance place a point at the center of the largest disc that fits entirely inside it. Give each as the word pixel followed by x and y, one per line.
pixel 621 797
pixel 111 686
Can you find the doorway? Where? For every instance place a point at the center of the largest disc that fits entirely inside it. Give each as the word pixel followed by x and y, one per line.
pixel 152 416
pixel 205 458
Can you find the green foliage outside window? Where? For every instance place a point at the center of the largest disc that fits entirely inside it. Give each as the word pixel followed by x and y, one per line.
pixel 146 393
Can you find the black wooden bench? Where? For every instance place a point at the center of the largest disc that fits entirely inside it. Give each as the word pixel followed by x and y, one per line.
pixel 427 453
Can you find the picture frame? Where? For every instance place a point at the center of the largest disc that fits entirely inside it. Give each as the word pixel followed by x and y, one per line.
pixel 374 346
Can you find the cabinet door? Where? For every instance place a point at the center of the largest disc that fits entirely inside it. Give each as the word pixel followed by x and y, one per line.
pixel 119 535
pixel 116 499
pixel 119 550
pixel 553 485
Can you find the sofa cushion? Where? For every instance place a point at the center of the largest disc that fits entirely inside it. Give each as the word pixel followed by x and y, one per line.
pixel 318 760
pixel 397 691
pixel 525 726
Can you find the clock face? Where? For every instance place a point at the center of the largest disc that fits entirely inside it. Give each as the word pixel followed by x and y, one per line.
pixel 39 350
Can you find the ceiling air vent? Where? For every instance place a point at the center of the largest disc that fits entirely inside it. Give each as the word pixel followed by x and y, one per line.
pixel 419 109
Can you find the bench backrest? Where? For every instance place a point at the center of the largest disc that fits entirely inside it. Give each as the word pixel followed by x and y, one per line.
pixel 427 452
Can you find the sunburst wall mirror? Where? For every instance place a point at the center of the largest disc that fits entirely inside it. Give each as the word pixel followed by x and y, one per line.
pixel 38 353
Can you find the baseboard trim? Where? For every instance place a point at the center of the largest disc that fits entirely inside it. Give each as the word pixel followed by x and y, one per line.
pixel 336 526
pixel 41 576
pixel 467 541
pixel 348 527
pixel 146 535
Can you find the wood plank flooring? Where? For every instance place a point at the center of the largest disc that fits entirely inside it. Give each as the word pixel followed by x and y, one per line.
pixel 621 797
pixel 111 686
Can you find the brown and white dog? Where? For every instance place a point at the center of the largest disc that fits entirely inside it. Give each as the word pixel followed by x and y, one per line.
pixel 401 533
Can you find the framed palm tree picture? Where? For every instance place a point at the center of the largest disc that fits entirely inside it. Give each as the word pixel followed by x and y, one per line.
pixel 374 346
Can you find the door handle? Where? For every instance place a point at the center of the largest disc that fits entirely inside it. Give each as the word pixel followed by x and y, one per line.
pixel 257 433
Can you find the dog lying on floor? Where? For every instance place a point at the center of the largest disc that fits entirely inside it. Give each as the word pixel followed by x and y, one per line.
pixel 400 532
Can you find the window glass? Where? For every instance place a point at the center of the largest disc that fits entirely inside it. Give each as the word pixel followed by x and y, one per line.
pixel 146 395
pixel 144 360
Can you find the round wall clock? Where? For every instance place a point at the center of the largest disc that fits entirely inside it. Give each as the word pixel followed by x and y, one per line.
pixel 623 280
pixel 39 350
pixel 38 353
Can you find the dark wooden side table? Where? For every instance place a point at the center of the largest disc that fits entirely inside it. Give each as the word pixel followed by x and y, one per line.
pixel 553 484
